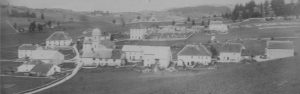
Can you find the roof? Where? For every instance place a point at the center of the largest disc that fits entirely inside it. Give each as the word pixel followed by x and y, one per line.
pixel 280 45
pixel 230 47
pixel 99 54
pixel 216 22
pixel 96 31
pixel 34 62
pixel 156 51
pixel 59 35
pixel 45 54
pixel 42 68
pixel 253 47
pixel 139 26
pixel 194 50
pixel 28 47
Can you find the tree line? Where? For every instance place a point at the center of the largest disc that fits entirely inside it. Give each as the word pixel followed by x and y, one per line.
pixel 268 8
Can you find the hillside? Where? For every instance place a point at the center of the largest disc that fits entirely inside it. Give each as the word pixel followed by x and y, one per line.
pixel 199 11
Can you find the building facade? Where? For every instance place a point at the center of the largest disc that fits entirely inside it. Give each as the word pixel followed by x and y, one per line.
pixel 193 54
pixel 230 52
pixel 59 38
pixel 279 49
pixel 148 55
pixel 25 50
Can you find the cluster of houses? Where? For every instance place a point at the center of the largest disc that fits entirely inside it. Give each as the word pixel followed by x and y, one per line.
pixel 43 60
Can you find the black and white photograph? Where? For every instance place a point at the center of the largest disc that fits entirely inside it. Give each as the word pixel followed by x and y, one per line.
pixel 150 46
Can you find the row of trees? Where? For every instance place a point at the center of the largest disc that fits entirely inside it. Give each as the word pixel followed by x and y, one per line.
pixel 267 9
pixel 15 13
pixel 27 14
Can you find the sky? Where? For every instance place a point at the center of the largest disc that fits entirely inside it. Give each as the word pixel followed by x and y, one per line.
pixel 121 5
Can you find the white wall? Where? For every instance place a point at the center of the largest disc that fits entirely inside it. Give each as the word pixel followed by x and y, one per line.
pixel 219 27
pixel 58 43
pixel 24 53
pixel 279 53
pixel 205 60
pixel 137 34
pixel 227 57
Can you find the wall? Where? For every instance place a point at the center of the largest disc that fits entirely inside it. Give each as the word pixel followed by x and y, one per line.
pixel 279 53
pixel 205 60
pixel 227 57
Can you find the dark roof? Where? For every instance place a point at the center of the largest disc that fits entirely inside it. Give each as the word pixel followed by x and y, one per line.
pixel 194 50
pixel 42 68
pixel 35 62
pixel 254 47
pixel 280 45
pixel 28 47
pixel 139 26
pixel 116 54
pixel 107 43
pixel 230 47
pixel 60 35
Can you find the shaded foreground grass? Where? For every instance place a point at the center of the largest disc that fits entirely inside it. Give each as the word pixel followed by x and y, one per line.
pixel 273 77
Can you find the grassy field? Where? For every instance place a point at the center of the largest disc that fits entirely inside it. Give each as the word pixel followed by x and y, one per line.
pixel 10 85
pixel 273 77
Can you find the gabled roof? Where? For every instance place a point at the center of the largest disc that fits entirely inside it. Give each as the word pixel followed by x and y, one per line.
pixel 230 47
pixel 42 68
pixel 28 47
pixel 280 45
pixel 99 54
pixel 59 35
pixel 194 50
pixel 45 54
pixel 138 26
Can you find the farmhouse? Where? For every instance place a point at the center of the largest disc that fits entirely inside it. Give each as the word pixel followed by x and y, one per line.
pixel 193 54
pixel 138 32
pixel 218 26
pixel 230 52
pixel 25 50
pixel 45 69
pixel 148 55
pixel 103 58
pixel 279 49
pixel 27 66
pixel 48 56
pixel 59 38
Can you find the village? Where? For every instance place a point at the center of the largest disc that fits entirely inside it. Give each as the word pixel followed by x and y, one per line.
pixel 159 52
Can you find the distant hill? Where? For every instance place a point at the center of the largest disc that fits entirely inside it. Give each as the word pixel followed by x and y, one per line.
pixel 199 11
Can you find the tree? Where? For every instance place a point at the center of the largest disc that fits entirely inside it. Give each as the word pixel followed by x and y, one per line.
pixel 114 21
pixel 42 16
pixel 40 27
pixel 188 19
pixel 278 7
pixel 173 22
pixel 193 22
pixel 32 26
pixel 33 15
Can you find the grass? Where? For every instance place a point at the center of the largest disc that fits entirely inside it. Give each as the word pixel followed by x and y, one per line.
pixel 8 66
pixel 16 84
pixel 274 77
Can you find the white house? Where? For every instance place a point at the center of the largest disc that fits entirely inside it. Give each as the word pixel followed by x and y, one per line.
pixel 48 56
pixel 149 55
pixel 230 52
pixel 45 69
pixel 218 26
pixel 59 38
pixel 103 58
pixel 193 54
pixel 279 49
pixel 25 50
pixel 138 32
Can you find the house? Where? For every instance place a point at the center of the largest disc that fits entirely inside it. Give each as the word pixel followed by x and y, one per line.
pixel 139 19
pixel 218 26
pixel 279 49
pixel 27 66
pixel 138 32
pixel 230 52
pixel 193 54
pixel 148 55
pixel 58 38
pixel 45 69
pixel 104 58
pixel 48 56
pixel 25 50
